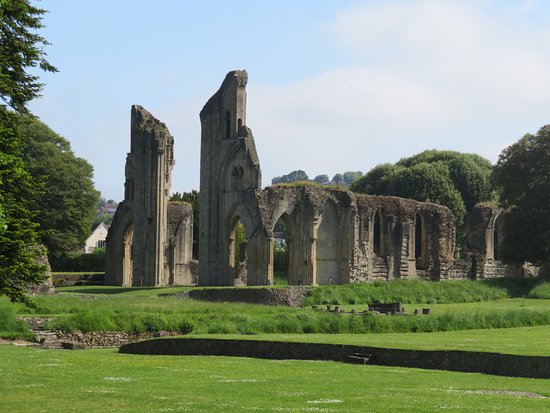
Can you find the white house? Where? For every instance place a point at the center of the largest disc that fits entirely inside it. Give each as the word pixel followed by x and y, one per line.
pixel 96 238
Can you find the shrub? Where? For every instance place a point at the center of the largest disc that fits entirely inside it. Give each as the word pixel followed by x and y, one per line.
pixel 154 322
pixel 185 326
pixel 541 291
pixel 79 262
pixel 10 326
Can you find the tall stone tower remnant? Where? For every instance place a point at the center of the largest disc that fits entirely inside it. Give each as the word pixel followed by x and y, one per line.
pixel 138 239
pixel 229 183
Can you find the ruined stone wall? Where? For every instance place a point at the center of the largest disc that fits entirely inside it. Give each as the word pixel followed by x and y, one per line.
pixel 138 238
pixel 333 236
pixel 230 177
pixel 179 250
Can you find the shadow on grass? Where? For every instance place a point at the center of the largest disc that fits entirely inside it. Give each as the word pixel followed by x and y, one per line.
pixel 515 287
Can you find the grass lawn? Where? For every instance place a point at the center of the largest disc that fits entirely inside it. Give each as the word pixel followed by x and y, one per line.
pixel 105 381
pixel 530 341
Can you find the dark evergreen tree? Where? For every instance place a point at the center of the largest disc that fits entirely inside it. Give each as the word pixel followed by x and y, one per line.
pixel 20 49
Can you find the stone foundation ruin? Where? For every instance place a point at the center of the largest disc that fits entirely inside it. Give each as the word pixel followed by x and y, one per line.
pixel 333 236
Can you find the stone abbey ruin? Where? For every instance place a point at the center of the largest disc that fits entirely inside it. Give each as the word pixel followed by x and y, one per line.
pixel 333 236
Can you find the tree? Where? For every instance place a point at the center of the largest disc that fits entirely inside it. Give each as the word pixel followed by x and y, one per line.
pixel 337 179
pixel 65 199
pixel 522 176
pixel 294 176
pixel 351 176
pixel 456 180
pixel 20 49
pixel 470 173
pixel 322 179
pixel 19 252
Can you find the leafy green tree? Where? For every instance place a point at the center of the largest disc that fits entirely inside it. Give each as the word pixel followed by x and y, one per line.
pixel 18 232
pixel 377 180
pixel 65 198
pixel 337 179
pixel 20 50
pixel 470 173
pixel 294 176
pixel 321 179
pixel 522 176
pixel 456 180
pixel 351 176
pixel 105 218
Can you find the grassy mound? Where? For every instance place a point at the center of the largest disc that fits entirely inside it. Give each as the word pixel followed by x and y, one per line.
pixel 406 291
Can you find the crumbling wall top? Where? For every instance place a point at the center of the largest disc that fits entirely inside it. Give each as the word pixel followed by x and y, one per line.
pixel 232 81
pixel 144 121
pixel 178 212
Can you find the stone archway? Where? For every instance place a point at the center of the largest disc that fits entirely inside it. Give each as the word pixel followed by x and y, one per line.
pixel 327 246
pixel 237 245
pixel 128 256
pixel 420 244
pixel 284 245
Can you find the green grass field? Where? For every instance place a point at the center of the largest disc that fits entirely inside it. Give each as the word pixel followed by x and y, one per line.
pixel 104 381
pixel 33 380
pixel 530 341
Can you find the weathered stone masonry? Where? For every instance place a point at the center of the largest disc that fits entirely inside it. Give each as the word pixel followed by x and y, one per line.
pixel 333 236
pixel 149 242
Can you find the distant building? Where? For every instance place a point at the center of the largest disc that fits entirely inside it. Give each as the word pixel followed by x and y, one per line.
pixel 96 239
pixel 109 208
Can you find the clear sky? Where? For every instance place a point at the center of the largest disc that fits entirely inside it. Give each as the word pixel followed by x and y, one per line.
pixel 333 85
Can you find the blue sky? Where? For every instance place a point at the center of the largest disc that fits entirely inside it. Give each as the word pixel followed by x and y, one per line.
pixel 333 85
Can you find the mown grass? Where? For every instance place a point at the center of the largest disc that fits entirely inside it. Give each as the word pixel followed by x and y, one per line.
pixel 103 380
pixel 530 341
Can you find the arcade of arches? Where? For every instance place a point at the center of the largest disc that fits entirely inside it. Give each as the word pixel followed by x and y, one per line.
pixel 305 235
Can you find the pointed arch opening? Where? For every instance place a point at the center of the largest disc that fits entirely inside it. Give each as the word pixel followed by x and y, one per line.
pixel 128 256
pixel 420 243
pixel 238 252
pixel 237 178
pixel 327 246
pixel 227 124
pixel 378 234
pixel 284 246
pixel 498 237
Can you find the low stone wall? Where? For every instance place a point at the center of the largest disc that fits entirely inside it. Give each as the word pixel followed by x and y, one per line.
pixel 290 296
pixel 463 361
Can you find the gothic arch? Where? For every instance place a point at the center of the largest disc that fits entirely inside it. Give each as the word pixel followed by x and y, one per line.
pixel 379 234
pixel 327 245
pixel 495 236
pixel 421 255
pixel 292 245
